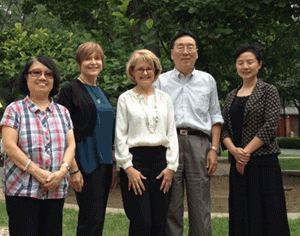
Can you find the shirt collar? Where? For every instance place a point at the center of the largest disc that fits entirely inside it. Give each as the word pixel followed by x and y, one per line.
pixel 33 108
pixel 181 77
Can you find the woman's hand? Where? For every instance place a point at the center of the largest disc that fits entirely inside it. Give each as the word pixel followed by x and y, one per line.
pixel 167 175
pixel 76 181
pixel 241 155
pixel 115 177
pixel 54 179
pixel 135 180
pixel 41 175
pixel 240 168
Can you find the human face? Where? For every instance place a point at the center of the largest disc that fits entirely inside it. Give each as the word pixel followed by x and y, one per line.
pixel 184 54
pixel 247 66
pixel 91 66
pixel 39 79
pixel 143 73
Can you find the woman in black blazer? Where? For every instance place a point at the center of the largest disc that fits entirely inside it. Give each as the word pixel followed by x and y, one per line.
pixel 251 115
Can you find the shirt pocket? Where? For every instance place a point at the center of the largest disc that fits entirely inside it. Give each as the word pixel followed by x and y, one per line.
pixel 201 104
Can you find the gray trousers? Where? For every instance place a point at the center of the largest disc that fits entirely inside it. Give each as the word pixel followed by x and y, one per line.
pixel 192 174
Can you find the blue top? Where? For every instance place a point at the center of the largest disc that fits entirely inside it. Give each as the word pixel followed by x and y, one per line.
pixel 96 149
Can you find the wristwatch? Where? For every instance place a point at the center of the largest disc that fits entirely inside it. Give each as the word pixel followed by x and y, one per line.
pixel 67 165
pixel 215 148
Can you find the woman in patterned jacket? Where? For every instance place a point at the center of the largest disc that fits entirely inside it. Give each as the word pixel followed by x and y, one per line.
pixel 251 115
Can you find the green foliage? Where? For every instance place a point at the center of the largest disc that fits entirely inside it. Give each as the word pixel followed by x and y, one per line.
pixel 291 143
pixel 122 26
pixel 18 46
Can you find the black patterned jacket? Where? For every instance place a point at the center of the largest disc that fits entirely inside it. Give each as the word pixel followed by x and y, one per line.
pixel 261 118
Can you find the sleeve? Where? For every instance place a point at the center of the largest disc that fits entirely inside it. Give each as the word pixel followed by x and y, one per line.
pixel 65 97
pixel 268 131
pixel 214 106
pixel 225 128
pixel 11 118
pixel 68 119
pixel 122 154
pixel 172 154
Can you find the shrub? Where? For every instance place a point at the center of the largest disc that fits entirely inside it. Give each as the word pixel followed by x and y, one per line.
pixel 292 143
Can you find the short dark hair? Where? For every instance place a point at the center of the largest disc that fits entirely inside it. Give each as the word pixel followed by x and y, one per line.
pixel 47 62
pixel 184 33
pixel 249 47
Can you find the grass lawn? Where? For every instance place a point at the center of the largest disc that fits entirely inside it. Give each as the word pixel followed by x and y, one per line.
pixel 117 224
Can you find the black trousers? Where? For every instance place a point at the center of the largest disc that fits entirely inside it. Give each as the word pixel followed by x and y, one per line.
pixel 147 212
pixel 92 201
pixel 34 217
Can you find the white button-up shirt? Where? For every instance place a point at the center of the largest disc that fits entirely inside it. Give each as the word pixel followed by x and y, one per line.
pixel 194 97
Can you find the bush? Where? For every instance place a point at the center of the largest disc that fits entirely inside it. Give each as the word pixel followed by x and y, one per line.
pixel 292 143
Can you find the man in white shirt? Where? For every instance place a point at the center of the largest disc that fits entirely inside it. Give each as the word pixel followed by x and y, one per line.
pixel 198 120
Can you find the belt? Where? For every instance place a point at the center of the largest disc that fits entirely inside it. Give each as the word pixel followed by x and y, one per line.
pixel 189 131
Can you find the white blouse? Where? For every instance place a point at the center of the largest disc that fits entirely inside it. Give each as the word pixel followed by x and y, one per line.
pixel 132 131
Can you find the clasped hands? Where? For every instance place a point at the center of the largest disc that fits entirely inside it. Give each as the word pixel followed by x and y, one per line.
pixel 52 180
pixel 135 178
pixel 242 157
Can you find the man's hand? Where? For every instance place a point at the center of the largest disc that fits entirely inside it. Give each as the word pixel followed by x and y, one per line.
pixel 212 161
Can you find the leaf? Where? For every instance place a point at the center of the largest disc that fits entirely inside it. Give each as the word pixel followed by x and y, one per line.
pixel 149 23
pixel 282 4
pixel 192 10
pixel 144 38
pixel 118 14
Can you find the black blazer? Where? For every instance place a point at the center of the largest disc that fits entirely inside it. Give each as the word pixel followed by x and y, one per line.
pixel 261 118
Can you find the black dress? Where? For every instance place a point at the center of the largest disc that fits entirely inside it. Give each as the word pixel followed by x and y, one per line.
pixel 256 199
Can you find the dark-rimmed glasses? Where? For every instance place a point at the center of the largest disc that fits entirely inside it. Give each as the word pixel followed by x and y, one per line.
pixel 141 70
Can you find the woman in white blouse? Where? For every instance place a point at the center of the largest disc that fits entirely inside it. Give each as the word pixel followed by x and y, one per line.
pixel 146 147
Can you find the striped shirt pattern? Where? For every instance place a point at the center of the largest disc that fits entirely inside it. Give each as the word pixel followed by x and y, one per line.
pixel 43 139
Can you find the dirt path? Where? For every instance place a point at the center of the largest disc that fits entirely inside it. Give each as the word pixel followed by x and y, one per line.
pixel 219 192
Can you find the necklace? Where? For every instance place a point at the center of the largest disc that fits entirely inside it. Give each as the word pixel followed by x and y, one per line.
pixel 98 98
pixel 147 117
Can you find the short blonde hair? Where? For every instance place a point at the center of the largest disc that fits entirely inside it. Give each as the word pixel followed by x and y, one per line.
pixel 143 55
pixel 86 49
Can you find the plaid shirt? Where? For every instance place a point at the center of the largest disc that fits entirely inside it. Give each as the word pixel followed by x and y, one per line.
pixel 43 139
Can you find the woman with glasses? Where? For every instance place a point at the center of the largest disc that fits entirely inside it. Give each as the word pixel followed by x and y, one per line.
pixel 146 147
pixel 39 144
pixel 93 118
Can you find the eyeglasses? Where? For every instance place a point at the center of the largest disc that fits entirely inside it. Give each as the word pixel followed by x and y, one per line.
pixel 141 70
pixel 189 48
pixel 37 73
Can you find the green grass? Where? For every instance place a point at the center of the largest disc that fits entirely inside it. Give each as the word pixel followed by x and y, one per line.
pixel 117 224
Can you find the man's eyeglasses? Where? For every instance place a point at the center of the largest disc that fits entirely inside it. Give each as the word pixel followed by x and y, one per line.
pixel 37 73
pixel 141 70
pixel 189 48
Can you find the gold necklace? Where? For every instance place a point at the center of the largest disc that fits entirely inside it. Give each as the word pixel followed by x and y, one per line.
pixel 98 98
pixel 147 117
